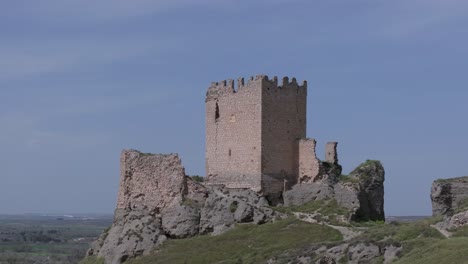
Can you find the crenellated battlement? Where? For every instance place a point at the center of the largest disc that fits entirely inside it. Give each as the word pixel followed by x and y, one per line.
pixel 225 87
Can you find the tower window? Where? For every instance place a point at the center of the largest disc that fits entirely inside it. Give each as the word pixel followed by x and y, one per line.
pixel 229 153
pixel 217 112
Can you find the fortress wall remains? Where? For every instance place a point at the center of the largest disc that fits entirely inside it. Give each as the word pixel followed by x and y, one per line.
pixel 283 124
pixel 331 154
pixel 150 181
pixel 309 164
pixel 233 134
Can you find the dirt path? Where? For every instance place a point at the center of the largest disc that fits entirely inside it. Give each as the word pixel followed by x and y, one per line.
pixel 347 232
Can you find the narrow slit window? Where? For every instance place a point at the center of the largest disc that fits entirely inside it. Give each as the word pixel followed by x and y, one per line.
pixel 229 153
pixel 217 112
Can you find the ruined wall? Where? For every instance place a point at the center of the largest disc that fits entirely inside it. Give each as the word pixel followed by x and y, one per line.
pixel 149 181
pixel 233 134
pixel 309 164
pixel 283 124
pixel 331 154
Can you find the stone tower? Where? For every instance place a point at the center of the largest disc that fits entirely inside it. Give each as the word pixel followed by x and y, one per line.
pixel 253 132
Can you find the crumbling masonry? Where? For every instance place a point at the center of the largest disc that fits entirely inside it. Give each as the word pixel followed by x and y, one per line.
pixel 256 135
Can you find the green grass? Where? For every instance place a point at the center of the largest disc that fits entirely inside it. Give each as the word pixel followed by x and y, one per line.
pixel 243 244
pixel 460 232
pixel 462 205
pixel 436 251
pixel 348 179
pixel 378 231
pixel 92 260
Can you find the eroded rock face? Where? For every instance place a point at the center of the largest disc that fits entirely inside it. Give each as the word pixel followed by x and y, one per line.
pixel 355 253
pixel 132 233
pixel 157 201
pixel 224 207
pixel 371 177
pixel 362 191
pixel 449 195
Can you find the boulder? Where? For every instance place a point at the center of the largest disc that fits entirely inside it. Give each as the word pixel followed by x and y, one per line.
pixel 225 207
pixel 326 260
pixel 181 221
pixel 132 233
pixel 362 191
pixel 449 196
pixel 363 253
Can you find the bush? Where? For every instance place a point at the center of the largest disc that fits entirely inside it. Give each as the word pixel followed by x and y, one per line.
pixel 197 178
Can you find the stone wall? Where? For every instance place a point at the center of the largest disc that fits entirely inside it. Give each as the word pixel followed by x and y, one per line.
pixel 150 182
pixel 331 155
pixel 309 165
pixel 283 123
pixel 233 134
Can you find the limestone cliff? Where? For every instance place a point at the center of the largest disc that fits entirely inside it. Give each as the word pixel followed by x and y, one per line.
pixel 449 195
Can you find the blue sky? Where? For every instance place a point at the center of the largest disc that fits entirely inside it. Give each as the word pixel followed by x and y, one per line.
pixel 81 80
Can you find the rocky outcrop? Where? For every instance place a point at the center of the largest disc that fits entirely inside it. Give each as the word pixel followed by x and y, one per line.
pixel 352 253
pixel 449 196
pixel 157 201
pixel 362 191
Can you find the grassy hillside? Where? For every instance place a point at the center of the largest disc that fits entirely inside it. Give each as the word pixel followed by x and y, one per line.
pixel 293 237
pixel 244 244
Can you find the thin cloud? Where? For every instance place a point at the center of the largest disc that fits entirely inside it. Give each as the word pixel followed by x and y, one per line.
pixel 98 10
pixel 67 54
pixel 405 18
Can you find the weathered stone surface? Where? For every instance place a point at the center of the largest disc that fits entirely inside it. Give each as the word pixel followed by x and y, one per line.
pixel 181 221
pixel 459 220
pixel 133 233
pixel 362 191
pixel 306 192
pixel 371 176
pixel 224 207
pixel 244 213
pixel 449 195
pixel 392 253
pixel 451 223
pixel 362 253
pixel 337 252
pixel 310 167
pixel 326 260
pixel 149 181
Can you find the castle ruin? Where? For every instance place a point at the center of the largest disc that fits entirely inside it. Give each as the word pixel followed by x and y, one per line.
pixel 256 135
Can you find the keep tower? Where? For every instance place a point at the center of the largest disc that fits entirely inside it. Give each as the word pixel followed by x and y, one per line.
pixel 253 133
